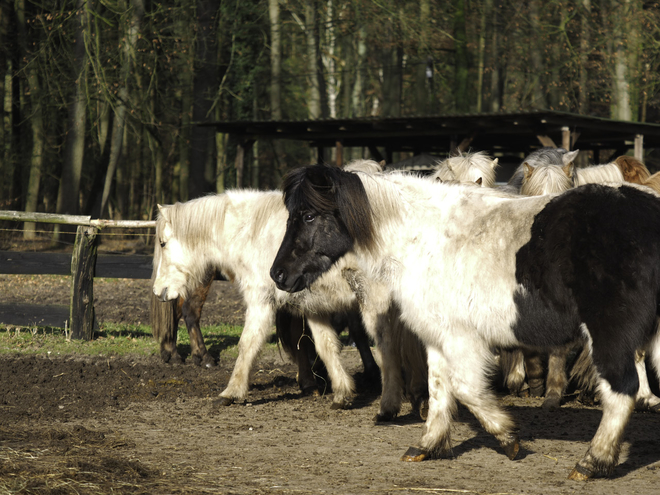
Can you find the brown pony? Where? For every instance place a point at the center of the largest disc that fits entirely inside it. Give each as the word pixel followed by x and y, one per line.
pixel 632 169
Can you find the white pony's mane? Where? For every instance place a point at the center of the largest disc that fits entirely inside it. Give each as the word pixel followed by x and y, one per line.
pixel 609 172
pixel 468 167
pixel 546 179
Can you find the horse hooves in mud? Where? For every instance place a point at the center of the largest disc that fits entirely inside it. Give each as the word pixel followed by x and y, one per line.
pixel 223 401
pixel 415 454
pixel 552 403
pixel 206 361
pixel 171 358
pixel 580 473
pixel 341 404
pixel 384 418
pixel 512 447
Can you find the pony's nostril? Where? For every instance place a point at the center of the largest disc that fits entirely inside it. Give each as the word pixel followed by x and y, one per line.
pixel 279 275
pixel 163 295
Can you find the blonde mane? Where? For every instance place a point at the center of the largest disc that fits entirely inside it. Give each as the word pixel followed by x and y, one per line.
pixel 609 172
pixel 546 179
pixel 468 167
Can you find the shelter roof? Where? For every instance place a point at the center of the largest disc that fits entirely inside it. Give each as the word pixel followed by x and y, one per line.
pixel 506 132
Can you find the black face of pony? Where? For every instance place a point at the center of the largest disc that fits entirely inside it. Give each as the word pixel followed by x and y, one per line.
pixel 320 228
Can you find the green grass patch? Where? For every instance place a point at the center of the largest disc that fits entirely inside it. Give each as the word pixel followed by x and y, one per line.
pixel 113 339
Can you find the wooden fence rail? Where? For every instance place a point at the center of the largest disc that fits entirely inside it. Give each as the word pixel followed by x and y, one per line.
pixel 83 264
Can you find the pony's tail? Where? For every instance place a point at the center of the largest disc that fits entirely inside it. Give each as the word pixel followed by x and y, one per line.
pixel 584 372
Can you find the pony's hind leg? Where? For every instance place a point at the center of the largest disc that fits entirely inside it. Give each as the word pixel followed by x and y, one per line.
pixel 646 400
pixel 469 363
pixel 359 335
pixel 328 347
pixel 192 314
pixel 603 453
pixel 557 380
pixel 512 365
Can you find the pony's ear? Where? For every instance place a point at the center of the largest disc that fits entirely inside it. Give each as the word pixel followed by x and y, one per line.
pixel 569 170
pixel 479 181
pixel 162 212
pixel 528 170
pixel 570 156
pixel 495 163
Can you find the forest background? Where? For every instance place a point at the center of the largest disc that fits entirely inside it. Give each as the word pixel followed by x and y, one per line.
pixel 102 98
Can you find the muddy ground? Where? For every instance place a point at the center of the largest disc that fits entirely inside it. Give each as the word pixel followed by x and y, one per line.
pixel 70 424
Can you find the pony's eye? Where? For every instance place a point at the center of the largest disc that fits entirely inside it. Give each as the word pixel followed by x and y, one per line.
pixel 308 217
pixel 162 244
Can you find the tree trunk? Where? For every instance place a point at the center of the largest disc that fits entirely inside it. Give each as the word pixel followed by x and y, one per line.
pixel 205 87
pixel 119 121
pixel 536 58
pixel 496 74
pixel 311 37
pixel 391 61
pixel 461 58
pixel 620 81
pixel 74 148
pixel 424 70
pixel 358 104
pixel 585 48
pixel 36 121
pixel 275 61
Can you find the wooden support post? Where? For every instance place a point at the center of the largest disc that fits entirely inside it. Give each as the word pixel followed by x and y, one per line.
pixel 83 262
pixel 239 163
pixel 566 138
pixel 639 147
pixel 340 154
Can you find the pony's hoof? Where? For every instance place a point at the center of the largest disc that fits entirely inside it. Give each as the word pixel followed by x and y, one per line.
pixel 342 404
pixel 176 359
pixel 208 361
pixel 312 390
pixel 223 401
pixel 413 454
pixel 536 387
pixel 551 404
pixel 580 473
pixel 384 418
pixel 512 447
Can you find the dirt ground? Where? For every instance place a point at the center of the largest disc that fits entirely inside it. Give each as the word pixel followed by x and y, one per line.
pixel 70 424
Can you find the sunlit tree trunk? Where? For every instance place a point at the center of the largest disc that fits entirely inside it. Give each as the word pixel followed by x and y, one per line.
pixel 391 61
pixel 621 77
pixel 496 65
pixel 311 37
pixel 275 60
pixel 119 121
pixel 357 99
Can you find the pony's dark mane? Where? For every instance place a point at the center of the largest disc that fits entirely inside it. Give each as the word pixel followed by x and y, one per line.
pixel 327 189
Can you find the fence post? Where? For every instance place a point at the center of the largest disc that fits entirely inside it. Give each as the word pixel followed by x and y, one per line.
pixel 83 262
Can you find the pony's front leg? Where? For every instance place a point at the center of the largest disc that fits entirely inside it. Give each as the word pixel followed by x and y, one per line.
pixel 328 347
pixel 645 400
pixel 436 441
pixel 383 327
pixel 603 452
pixel 259 320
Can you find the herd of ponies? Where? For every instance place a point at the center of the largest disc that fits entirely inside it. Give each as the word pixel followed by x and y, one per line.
pixel 450 275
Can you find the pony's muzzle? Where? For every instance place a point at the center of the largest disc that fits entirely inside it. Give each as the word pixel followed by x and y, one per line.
pixel 163 295
pixel 279 277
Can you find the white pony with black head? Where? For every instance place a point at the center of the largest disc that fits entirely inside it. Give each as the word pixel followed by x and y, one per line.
pixel 238 233
pixel 474 268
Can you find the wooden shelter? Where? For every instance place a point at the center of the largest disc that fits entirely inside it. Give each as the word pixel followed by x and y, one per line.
pixel 501 133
